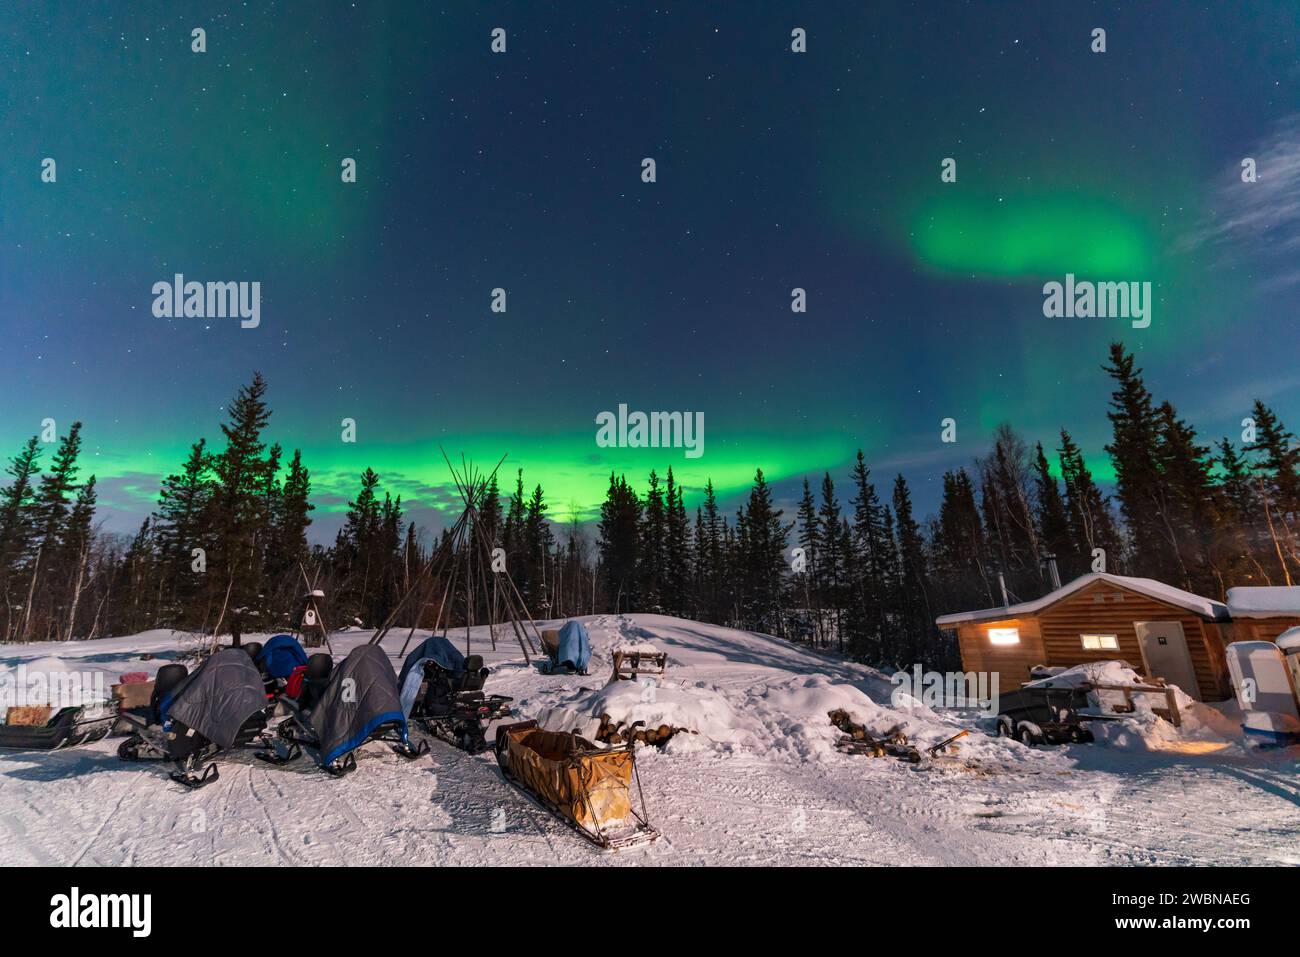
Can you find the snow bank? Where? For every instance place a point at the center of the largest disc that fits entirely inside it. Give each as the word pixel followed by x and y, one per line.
pixel 788 719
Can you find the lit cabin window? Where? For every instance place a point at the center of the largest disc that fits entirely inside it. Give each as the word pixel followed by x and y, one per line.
pixel 1004 636
pixel 1100 642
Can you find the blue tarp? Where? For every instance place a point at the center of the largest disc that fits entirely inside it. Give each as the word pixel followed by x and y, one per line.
pixel 437 648
pixel 280 655
pixel 575 647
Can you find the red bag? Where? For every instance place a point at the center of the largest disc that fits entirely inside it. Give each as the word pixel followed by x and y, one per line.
pixel 293 687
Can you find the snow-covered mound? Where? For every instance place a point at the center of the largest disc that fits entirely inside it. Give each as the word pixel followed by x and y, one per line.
pixel 1143 729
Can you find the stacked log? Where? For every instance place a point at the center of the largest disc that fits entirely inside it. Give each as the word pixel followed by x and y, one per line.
pixel 618 732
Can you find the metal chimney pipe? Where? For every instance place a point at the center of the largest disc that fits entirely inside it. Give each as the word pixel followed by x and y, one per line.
pixel 1002 583
pixel 1053 573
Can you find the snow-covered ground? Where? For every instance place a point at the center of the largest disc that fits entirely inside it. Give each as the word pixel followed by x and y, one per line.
pixel 759 783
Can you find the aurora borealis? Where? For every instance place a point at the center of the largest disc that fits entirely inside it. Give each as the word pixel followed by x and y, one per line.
pixel 521 171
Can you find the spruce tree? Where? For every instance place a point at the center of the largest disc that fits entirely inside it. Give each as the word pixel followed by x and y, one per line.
pixel 1134 450
pixel 833 567
pixel 653 551
pixel 809 581
pixel 1053 520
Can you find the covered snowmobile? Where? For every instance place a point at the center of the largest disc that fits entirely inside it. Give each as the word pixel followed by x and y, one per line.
pixel 338 709
pixel 193 716
pixel 588 786
pixel 568 652
pixel 280 656
pixel 442 692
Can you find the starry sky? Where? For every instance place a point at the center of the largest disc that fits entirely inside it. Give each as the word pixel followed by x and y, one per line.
pixel 522 171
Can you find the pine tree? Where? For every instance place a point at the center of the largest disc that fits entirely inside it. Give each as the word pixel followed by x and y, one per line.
pixel 677 549
pixel 653 552
pixel 916 612
pixel 1134 450
pixel 1191 519
pixel 761 543
pixel 181 525
pixel 619 543
pixel 239 505
pixel 49 568
pixel 710 558
pixel 1244 536
pixel 1053 520
pixel 1277 457
pixel 1091 523
pixel 76 544
pixel 833 566
pixel 18 529
pixel 809 581
pixel 868 558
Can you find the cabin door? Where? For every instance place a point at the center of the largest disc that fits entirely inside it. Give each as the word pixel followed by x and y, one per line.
pixel 1165 654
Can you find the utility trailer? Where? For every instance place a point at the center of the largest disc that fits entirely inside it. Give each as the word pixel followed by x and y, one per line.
pixel 1041 715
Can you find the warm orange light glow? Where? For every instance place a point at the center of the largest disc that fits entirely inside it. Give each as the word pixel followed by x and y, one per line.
pixel 1004 636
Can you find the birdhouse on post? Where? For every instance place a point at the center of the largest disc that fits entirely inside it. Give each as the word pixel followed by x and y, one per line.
pixel 311 623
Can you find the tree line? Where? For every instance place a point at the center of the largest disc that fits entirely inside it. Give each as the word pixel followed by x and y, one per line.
pixel 852 568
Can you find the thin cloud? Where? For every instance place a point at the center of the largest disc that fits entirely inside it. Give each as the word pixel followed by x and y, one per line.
pixel 1259 221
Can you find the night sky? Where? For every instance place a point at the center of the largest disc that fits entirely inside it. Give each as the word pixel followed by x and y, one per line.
pixel 522 170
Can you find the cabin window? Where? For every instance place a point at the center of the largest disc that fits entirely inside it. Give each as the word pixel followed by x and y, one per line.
pixel 1100 642
pixel 1004 636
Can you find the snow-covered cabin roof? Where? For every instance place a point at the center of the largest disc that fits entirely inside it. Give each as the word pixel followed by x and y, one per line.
pixel 1205 607
pixel 1289 640
pixel 1264 601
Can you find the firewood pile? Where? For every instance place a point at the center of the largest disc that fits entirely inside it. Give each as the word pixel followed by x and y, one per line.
pixel 619 732
pixel 858 740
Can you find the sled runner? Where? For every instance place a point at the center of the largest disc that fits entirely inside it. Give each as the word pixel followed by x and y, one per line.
pixel 442 692
pixel 338 709
pixel 66 729
pixel 588 787
pixel 192 717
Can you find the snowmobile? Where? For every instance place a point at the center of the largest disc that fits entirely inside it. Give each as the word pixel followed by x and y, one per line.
pixel 194 716
pixel 335 710
pixel 277 660
pixel 454 707
pixel 442 692
pixel 587 786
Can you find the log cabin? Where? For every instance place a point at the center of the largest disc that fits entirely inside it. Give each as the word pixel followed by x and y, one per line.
pixel 1262 613
pixel 1159 630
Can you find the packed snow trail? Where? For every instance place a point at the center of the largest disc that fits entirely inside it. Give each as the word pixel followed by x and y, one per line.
pixel 760 784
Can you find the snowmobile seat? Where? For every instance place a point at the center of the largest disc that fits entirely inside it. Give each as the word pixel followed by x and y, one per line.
pixel 254 648
pixel 320 667
pixel 475 674
pixel 164 683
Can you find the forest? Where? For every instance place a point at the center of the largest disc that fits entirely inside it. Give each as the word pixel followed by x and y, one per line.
pixel 848 567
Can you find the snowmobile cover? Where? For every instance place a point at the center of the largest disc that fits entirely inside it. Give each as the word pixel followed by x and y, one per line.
pixel 434 648
pixel 361 696
pixel 583 783
pixel 218 697
pixel 575 647
pixel 280 655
